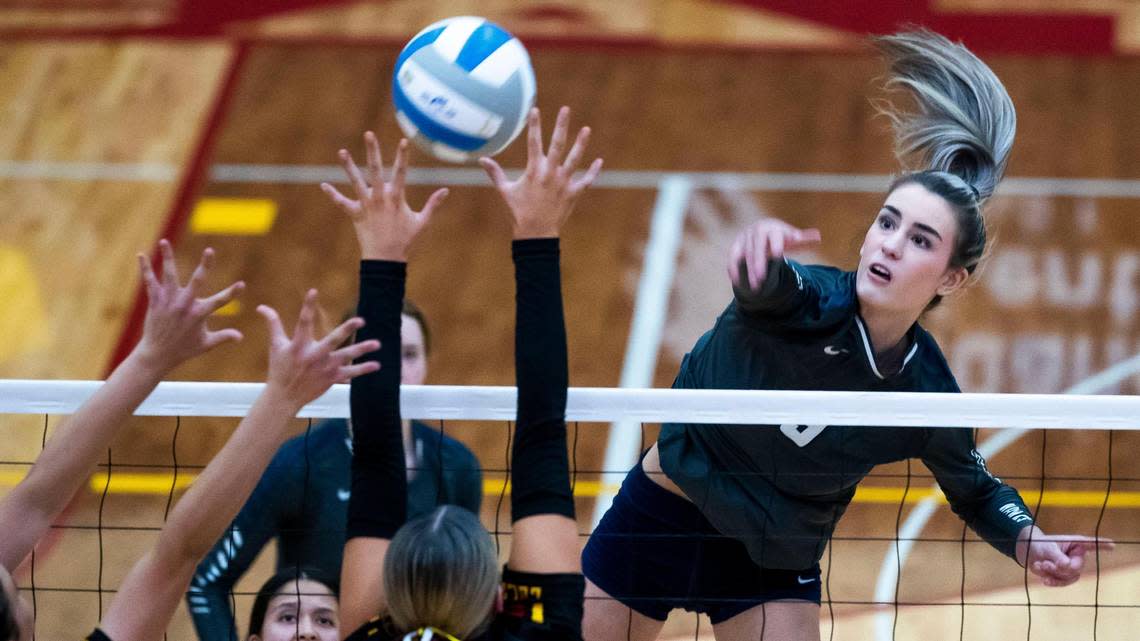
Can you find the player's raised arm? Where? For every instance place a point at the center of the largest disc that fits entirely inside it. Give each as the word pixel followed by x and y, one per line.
pixel 385 227
pixel 301 368
pixel 174 331
pixel 540 201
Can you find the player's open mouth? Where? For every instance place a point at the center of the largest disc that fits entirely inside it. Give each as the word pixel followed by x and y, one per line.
pixel 880 272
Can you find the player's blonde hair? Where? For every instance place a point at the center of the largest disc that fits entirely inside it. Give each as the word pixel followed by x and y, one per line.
pixel 442 571
pixel 958 140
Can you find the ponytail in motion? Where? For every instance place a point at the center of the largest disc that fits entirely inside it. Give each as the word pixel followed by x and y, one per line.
pixel 958 139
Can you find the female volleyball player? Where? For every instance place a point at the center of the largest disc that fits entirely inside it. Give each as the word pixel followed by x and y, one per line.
pixel 733 520
pixel 437 576
pixel 295 605
pixel 301 368
pixel 174 331
pixel 302 499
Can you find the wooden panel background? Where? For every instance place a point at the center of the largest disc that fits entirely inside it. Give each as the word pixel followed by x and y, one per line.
pixel 669 110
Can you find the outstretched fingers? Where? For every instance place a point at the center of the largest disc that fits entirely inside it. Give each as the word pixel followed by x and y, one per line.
pixel 149 280
pixel 228 335
pixel 577 150
pixel 756 257
pixel 340 333
pixel 433 203
pixel 533 140
pixel 400 169
pixel 306 320
pixel 804 237
pixel 494 172
pixel 355 177
pixel 588 178
pixel 169 268
pixel 375 160
pixel 346 204
pixel 349 372
pixel 355 351
pixel 558 138
pixel 220 299
pixel 198 276
pixel 273 323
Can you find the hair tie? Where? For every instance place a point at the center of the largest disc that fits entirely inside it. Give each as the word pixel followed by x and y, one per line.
pixel 977 194
pixel 427 634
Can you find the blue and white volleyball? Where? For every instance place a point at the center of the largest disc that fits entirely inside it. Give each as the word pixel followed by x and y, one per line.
pixel 463 88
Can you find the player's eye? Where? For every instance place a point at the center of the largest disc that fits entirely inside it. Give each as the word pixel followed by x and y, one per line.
pixel 921 241
pixel 885 222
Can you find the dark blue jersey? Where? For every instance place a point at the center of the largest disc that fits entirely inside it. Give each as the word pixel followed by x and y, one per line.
pixel 302 500
pixel 782 489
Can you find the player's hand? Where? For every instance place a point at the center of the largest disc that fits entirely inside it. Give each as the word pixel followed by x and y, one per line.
pixel 543 197
pixel 760 242
pixel 385 224
pixel 1058 558
pixel 175 326
pixel 302 367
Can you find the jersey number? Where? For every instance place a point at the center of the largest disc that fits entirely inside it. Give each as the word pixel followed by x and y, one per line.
pixel 801 435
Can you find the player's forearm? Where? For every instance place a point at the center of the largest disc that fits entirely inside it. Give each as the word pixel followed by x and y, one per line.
pixel 778 286
pixel 998 515
pixel 379 476
pixel 79 443
pixel 541 479
pixel 223 487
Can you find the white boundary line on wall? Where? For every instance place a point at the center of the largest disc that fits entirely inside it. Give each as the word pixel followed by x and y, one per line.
pixel 890 572
pixel 87 171
pixel 612 179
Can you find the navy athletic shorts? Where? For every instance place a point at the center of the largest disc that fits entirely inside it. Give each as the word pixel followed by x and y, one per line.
pixel 654 551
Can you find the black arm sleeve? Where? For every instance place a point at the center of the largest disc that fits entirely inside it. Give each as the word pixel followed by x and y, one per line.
pixel 540 481
pixel 272 501
pixel 778 293
pixel 991 508
pixel 379 502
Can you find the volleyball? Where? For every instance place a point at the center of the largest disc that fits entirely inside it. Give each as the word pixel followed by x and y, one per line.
pixel 462 88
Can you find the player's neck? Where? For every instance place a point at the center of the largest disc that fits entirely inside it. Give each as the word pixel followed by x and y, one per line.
pixel 886 330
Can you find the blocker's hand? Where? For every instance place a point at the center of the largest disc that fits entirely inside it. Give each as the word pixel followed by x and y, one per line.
pixel 301 367
pixel 384 222
pixel 760 242
pixel 175 327
pixel 543 197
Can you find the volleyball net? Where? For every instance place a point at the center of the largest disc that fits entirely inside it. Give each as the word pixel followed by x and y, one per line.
pixel 900 565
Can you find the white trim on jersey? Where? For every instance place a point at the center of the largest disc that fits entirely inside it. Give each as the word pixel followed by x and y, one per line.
pixel 871 354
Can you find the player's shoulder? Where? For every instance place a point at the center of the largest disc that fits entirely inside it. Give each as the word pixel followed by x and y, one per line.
pixel 931 368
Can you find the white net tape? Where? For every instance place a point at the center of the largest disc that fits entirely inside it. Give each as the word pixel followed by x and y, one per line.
pixel 887 409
